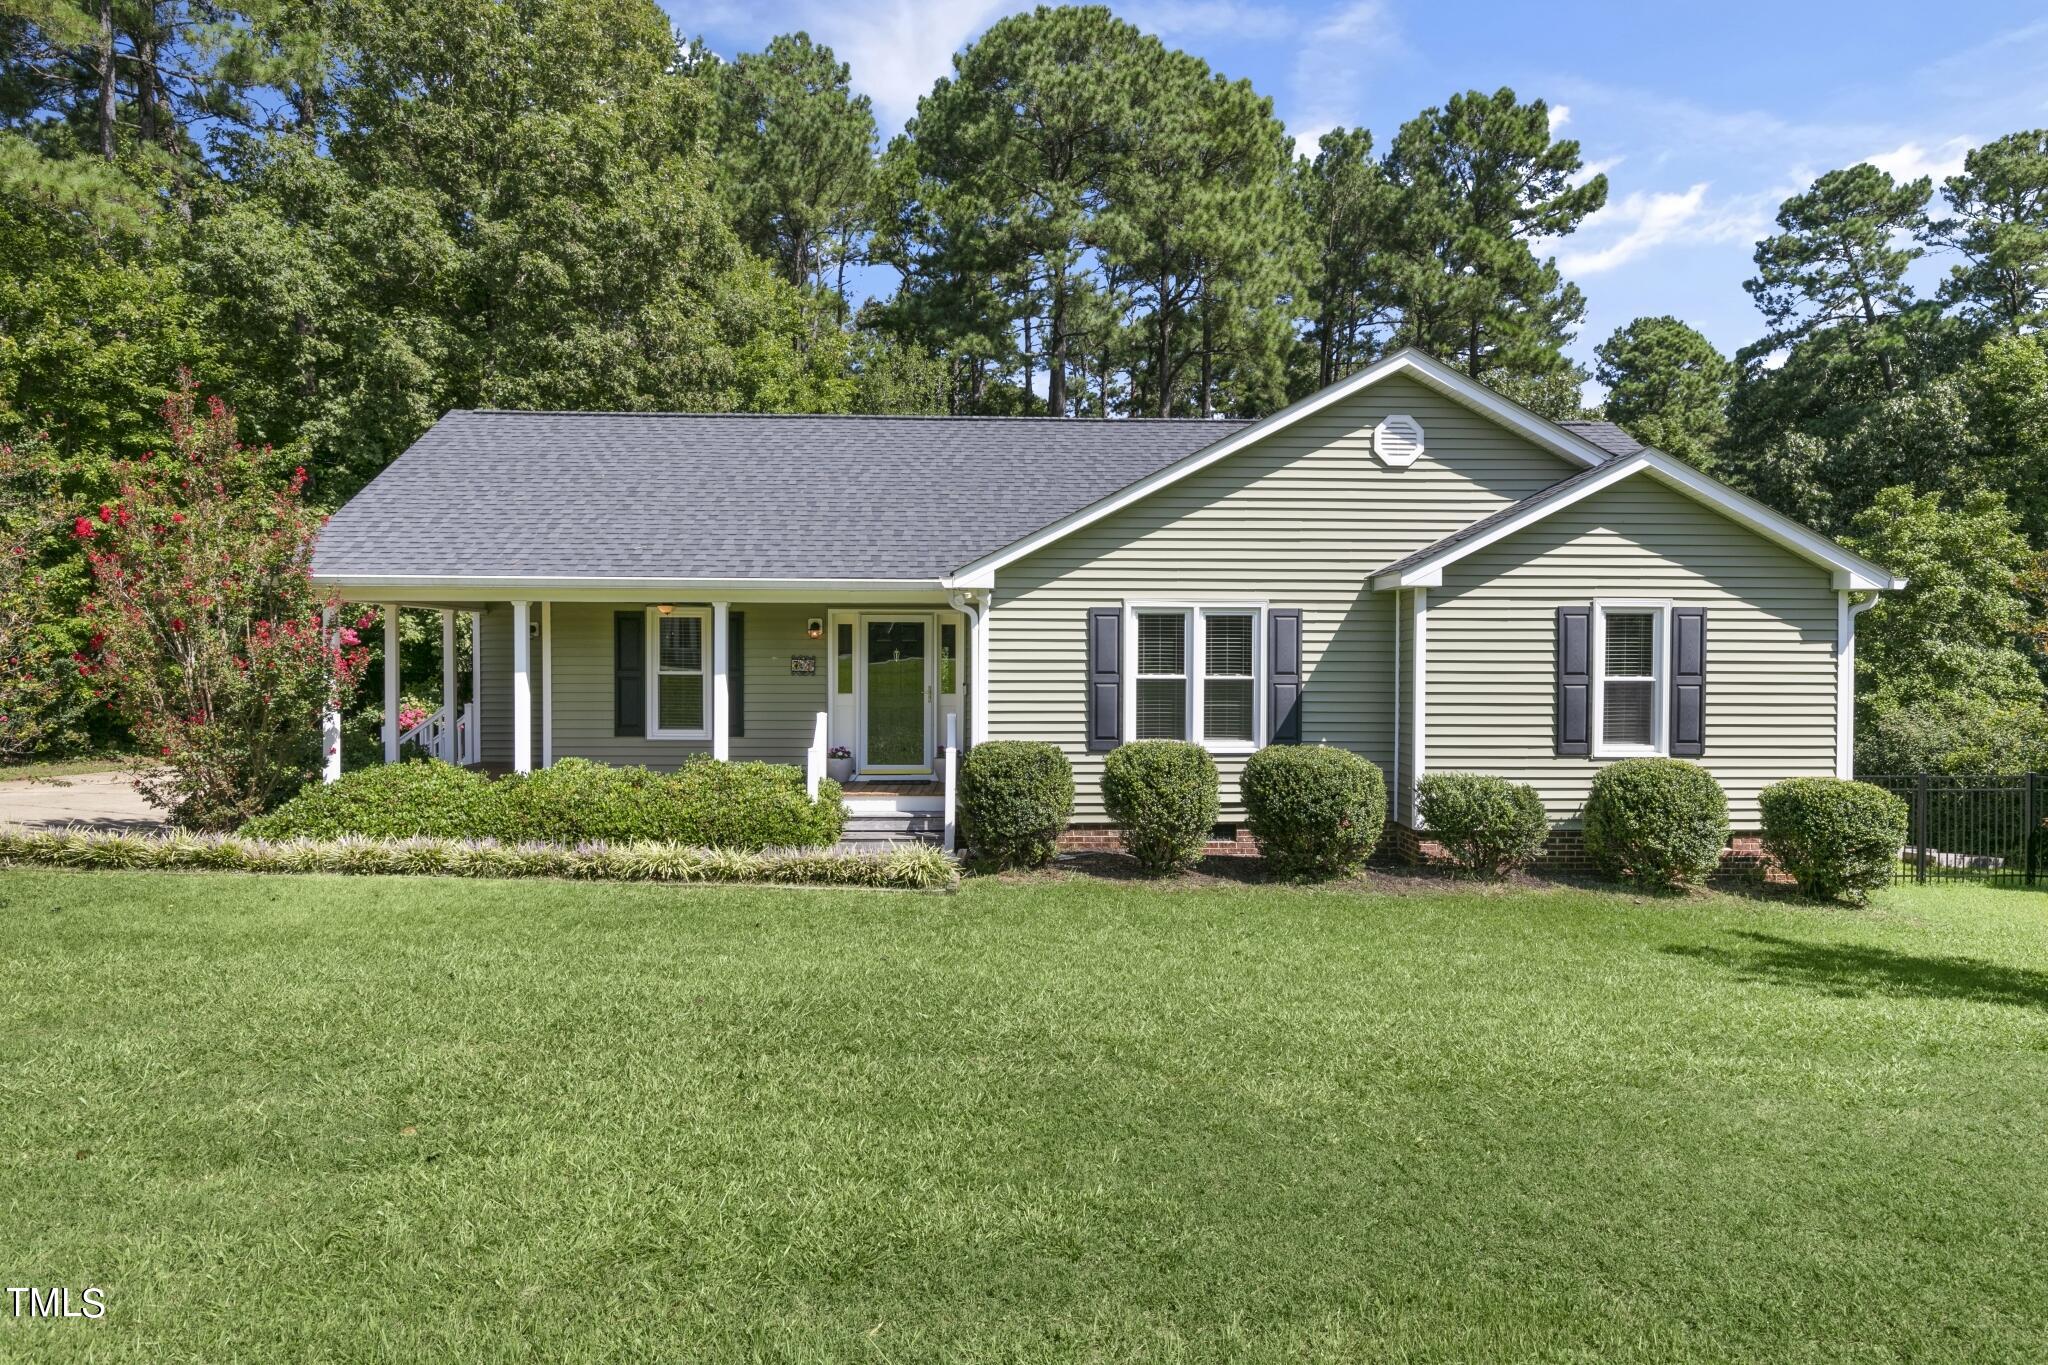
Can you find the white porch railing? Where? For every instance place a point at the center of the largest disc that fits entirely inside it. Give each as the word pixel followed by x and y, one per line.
pixel 814 758
pixel 433 737
pixel 952 771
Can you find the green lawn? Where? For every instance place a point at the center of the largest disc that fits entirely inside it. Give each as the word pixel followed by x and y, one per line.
pixel 318 1118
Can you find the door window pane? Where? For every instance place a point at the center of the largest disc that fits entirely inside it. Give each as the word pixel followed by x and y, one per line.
pixel 843 639
pixel 949 668
pixel 895 702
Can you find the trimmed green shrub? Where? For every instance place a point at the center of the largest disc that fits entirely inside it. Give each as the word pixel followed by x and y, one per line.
pixel 399 801
pixel 1015 797
pixel 920 868
pixel 1838 839
pixel 1488 825
pixel 705 804
pixel 1163 793
pixel 1316 811
pixel 1658 822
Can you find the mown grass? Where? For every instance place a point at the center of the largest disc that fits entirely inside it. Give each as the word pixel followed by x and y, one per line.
pixel 349 1119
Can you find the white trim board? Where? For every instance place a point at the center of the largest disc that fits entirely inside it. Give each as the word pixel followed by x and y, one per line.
pixel 1450 383
pixel 1851 571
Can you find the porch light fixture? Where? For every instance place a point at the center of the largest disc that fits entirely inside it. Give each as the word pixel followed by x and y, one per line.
pixel 815 628
pixel 664 609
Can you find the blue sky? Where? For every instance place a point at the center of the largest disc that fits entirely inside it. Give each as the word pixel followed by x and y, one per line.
pixel 1704 117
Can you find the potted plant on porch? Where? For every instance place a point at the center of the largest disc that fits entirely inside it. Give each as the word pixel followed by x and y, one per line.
pixel 839 763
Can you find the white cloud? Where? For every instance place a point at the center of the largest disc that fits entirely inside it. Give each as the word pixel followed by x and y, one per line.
pixel 1560 115
pixel 1639 223
pixel 1911 160
pixel 1593 168
pixel 1212 19
pixel 1337 54
pixel 896 48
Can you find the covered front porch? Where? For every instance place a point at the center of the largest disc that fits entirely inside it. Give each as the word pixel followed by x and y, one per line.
pixel 880 690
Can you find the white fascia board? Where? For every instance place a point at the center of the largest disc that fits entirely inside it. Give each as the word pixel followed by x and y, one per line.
pixel 466 587
pixel 1434 373
pixel 1849 570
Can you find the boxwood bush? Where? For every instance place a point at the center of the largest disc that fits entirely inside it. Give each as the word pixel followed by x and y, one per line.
pixel 1488 825
pixel 1015 797
pixel 1316 811
pixel 1658 822
pixel 1163 793
pixel 705 804
pixel 433 800
pixel 1838 839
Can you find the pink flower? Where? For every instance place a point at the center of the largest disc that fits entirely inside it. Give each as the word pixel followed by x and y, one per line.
pixel 82 527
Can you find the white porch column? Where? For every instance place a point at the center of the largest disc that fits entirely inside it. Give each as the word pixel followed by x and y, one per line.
pixel 330 718
pixel 721 701
pixel 476 688
pixel 1847 609
pixel 448 686
pixel 522 688
pixel 390 684
pixel 1421 681
pixel 547 684
pixel 977 614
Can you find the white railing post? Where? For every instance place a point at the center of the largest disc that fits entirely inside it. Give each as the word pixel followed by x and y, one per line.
pixel 466 736
pixel 814 758
pixel 952 767
pixel 330 715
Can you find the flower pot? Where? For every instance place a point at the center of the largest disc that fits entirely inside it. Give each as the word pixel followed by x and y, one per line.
pixel 839 769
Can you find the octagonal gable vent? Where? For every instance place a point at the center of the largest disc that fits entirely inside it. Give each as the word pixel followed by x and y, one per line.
pixel 1397 440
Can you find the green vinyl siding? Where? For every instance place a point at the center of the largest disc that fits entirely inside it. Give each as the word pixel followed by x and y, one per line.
pixel 1770 643
pixel 1298 519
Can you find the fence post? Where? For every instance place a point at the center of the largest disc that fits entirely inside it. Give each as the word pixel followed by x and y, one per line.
pixel 2031 822
pixel 1920 804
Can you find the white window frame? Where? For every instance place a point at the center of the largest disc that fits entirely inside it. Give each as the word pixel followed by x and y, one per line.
pixel 1193 615
pixel 655 671
pixel 1659 612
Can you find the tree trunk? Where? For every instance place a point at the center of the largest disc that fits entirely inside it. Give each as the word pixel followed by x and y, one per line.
pixel 1030 368
pixel 1056 350
pixel 1208 361
pixel 106 109
pixel 1165 404
pixel 145 81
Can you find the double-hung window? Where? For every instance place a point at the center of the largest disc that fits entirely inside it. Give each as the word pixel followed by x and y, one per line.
pixel 1194 674
pixel 1628 700
pixel 677 695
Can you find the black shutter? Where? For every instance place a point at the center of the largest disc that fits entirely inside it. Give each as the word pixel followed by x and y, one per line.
pixel 1105 678
pixel 736 671
pixel 629 673
pixel 1574 681
pixel 1283 674
pixel 1688 682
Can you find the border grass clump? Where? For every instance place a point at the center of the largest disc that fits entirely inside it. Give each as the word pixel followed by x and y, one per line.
pixel 909 869
pixel 1316 811
pixel 1839 839
pixel 1488 825
pixel 1657 822
pixel 1016 797
pixel 1162 793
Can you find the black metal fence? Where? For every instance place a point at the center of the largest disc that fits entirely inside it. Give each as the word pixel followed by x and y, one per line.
pixel 1977 828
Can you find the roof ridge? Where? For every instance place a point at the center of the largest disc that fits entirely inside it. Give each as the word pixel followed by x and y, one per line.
pixel 856 416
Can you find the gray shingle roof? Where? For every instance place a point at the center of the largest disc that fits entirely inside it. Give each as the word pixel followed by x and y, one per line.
pixel 631 495
pixel 1487 523
pixel 1605 435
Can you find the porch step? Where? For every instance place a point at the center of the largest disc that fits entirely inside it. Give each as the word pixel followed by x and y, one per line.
pixel 870 831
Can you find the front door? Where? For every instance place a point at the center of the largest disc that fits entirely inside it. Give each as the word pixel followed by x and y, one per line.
pixel 896 694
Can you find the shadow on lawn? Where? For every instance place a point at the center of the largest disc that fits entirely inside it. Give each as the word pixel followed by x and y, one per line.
pixel 1853 970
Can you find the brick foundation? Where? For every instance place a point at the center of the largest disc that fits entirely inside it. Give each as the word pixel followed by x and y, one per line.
pixel 1110 839
pixel 1564 852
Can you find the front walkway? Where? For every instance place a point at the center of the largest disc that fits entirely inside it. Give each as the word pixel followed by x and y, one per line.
pixel 100 801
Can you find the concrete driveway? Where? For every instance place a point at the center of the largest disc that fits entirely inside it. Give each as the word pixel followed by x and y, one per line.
pixel 102 801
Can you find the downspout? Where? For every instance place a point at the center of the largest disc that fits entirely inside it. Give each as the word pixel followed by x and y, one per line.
pixel 1849 606
pixel 977 683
